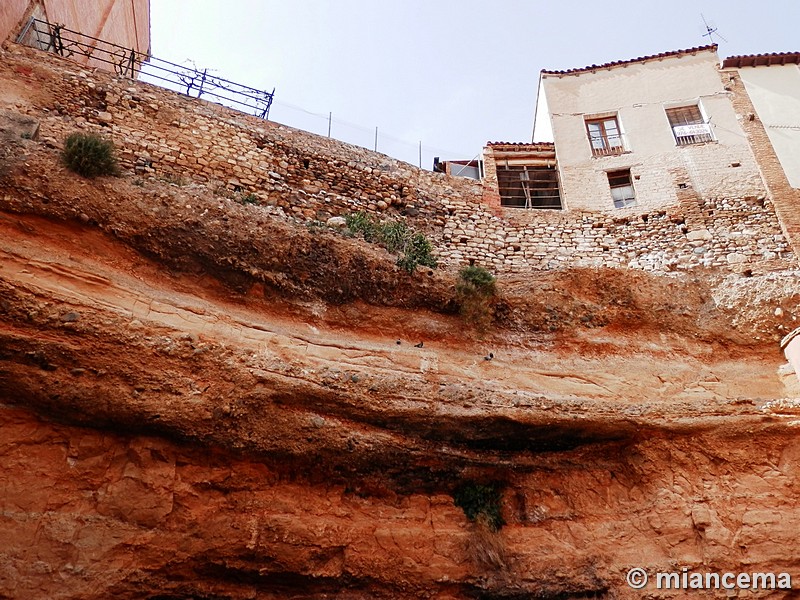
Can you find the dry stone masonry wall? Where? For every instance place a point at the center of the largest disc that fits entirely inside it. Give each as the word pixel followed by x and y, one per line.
pixel 311 178
pixel 737 234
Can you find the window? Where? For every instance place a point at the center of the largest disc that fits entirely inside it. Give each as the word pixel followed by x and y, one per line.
pixel 688 125
pixel 528 186
pixel 604 136
pixel 622 188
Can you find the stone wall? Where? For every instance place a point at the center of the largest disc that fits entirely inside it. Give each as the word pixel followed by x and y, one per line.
pixel 721 233
pixel 310 178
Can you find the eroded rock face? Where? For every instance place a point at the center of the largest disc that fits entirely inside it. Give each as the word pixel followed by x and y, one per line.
pixel 91 514
pixel 162 439
pixel 200 399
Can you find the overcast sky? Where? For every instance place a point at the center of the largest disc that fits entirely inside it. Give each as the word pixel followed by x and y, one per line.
pixel 452 74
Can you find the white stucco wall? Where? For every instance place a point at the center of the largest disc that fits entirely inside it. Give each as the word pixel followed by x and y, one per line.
pixel 775 93
pixel 638 94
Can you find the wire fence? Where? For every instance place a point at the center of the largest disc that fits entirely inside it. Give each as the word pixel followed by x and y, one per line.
pixel 205 83
pixel 130 63
pixel 373 138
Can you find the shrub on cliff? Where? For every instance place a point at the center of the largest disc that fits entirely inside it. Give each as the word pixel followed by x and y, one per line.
pixel 363 224
pixel 397 237
pixel 89 155
pixel 417 252
pixel 475 289
pixel 247 198
pixel 475 280
pixel 480 503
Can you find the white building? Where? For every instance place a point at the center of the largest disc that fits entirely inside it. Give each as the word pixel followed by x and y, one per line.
pixel 629 135
pixel 772 82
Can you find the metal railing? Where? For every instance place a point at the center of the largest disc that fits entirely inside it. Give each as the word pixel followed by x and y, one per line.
pixel 607 145
pixel 694 133
pixel 688 140
pixel 130 63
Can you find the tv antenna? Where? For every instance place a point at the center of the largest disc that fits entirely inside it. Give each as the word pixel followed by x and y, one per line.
pixel 711 31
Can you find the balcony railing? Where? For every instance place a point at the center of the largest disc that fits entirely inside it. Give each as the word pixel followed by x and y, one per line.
pixel 697 133
pixel 608 145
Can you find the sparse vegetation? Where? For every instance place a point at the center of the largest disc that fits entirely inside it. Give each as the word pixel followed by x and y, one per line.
pixel 89 155
pixel 247 199
pixel 475 280
pixel 316 226
pixel 414 248
pixel 220 189
pixel 481 503
pixel 475 289
pixel 486 547
pixel 417 251
pixel 173 179
pixel 360 223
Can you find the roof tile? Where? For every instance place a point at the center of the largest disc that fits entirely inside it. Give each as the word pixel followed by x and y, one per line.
pixel 524 145
pixel 674 53
pixel 758 60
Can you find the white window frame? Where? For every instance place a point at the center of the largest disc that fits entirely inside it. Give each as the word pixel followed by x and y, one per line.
pixel 607 149
pixel 621 199
pixel 692 139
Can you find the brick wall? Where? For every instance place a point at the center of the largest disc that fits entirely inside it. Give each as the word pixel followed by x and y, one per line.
pixel 306 177
pixel 785 197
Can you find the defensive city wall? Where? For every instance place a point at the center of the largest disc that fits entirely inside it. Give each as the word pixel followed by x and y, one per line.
pixel 298 175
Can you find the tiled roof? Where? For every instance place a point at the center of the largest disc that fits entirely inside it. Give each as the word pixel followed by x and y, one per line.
pixel 758 60
pixel 525 145
pixel 609 65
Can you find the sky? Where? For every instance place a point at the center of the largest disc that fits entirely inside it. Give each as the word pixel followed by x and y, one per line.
pixel 450 75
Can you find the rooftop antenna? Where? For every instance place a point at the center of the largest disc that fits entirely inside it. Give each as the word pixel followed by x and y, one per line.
pixel 711 31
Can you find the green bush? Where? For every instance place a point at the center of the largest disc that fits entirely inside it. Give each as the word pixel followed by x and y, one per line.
pixel 248 199
pixel 361 222
pixel 481 503
pixel 89 155
pixel 476 280
pixel 397 237
pixel 417 251
pixel 394 235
